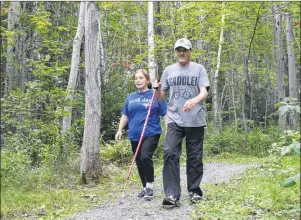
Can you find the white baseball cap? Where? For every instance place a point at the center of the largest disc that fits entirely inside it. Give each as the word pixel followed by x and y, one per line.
pixel 183 42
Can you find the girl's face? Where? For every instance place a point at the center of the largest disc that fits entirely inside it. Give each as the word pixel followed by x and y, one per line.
pixel 141 82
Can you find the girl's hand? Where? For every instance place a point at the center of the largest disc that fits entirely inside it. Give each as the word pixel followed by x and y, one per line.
pixel 156 84
pixel 118 135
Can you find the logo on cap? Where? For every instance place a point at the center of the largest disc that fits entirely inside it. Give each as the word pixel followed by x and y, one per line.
pixel 183 42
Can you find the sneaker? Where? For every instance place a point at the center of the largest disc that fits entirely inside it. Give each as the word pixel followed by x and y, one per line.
pixel 149 193
pixel 141 194
pixel 194 197
pixel 170 201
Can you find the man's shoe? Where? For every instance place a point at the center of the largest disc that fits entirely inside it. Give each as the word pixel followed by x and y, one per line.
pixel 194 197
pixel 141 194
pixel 170 201
pixel 149 193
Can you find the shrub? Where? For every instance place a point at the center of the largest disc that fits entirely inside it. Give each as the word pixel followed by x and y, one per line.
pixel 14 167
pixel 231 139
pixel 120 151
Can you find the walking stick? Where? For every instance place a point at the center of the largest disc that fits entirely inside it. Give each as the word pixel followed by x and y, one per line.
pixel 139 143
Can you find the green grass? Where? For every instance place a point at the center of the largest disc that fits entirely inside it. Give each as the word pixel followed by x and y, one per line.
pixel 57 202
pixel 17 203
pixel 257 194
pixel 233 158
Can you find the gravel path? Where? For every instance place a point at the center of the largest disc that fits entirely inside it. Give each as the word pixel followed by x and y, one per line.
pixel 132 208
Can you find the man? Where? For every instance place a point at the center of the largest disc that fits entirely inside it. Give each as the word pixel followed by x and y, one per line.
pixel 188 85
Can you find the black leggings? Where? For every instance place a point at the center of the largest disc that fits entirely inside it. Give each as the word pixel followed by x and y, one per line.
pixel 144 157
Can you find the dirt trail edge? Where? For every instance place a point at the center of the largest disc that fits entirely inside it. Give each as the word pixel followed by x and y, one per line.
pixel 132 208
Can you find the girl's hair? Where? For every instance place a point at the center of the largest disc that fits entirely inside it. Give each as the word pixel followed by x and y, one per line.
pixel 146 74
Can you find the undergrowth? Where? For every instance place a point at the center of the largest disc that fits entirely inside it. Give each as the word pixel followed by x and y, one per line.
pixel 52 189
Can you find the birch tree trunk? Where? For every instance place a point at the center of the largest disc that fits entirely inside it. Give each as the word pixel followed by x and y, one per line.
pixel 279 53
pixel 280 61
pixel 216 106
pixel 246 95
pixel 13 18
pixel 291 58
pixel 151 44
pixel 233 97
pixel 90 163
pixel 74 66
pixel 268 85
pixel 22 46
pixel 293 94
pixel 158 31
pixel 103 66
pixel 247 84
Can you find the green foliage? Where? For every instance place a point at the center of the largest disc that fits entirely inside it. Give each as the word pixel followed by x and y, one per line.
pixel 113 98
pixel 291 181
pixel 257 193
pixel 293 147
pixel 288 149
pixel 286 108
pixel 33 150
pixel 289 145
pixel 14 164
pixel 231 139
pixel 41 22
pixel 35 153
pixel 259 141
pixel 59 203
pixel 120 151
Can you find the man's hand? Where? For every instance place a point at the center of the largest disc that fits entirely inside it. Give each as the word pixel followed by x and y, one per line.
pixel 199 98
pixel 189 105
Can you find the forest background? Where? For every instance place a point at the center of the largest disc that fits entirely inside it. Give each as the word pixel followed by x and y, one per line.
pixel 67 67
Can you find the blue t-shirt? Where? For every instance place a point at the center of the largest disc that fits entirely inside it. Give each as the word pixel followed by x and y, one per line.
pixel 136 108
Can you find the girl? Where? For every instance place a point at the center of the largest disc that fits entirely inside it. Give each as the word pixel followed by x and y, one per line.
pixel 134 113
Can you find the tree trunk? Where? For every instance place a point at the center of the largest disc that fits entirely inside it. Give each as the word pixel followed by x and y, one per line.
pixel 103 66
pixel 293 94
pixel 22 47
pixel 247 84
pixel 158 31
pixel 216 105
pixel 74 66
pixel 279 53
pixel 246 94
pixel 233 97
pixel 151 44
pixel 90 163
pixel 268 84
pixel 12 21
pixel 280 62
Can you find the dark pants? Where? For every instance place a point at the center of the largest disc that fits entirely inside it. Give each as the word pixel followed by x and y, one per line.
pixel 172 152
pixel 144 157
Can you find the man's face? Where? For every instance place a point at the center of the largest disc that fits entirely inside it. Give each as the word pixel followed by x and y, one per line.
pixel 183 55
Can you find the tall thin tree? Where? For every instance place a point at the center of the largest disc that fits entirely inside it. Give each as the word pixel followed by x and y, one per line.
pixel 151 43
pixel 280 61
pixel 13 20
pixel 90 162
pixel 215 101
pixel 293 89
pixel 74 65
